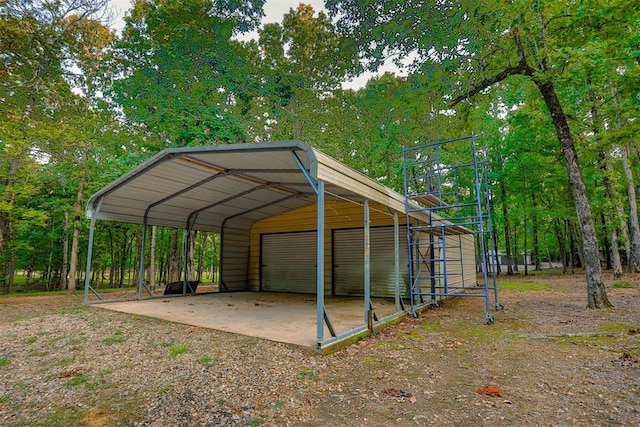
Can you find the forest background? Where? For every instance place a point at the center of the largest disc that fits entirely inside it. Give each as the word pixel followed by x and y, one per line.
pixel 551 89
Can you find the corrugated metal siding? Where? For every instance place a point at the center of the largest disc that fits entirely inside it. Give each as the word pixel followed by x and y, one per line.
pixel 348 262
pixel 459 266
pixel 288 262
pixel 469 257
pixel 338 215
pixel 234 259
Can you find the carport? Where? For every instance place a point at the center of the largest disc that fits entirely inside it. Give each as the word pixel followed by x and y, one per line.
pixel 263 198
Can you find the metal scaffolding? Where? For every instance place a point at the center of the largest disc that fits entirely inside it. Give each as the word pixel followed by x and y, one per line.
pixel 450 184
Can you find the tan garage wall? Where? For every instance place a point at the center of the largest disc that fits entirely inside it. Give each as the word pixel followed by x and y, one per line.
pixel 339 214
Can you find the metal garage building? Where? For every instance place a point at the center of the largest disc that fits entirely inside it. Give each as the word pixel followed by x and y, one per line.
pixel 282 209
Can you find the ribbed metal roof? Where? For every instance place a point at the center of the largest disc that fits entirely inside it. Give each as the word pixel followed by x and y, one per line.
pixel 207 187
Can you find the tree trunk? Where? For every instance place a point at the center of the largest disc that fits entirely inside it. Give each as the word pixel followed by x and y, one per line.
pixel 112 265
pixel 191 239
pixel 534 230
pixel 8 238
pixel 201 253
pixel 77 215
pixel 624 229
pixel 526 248
pixel 64 274
pixel 616 263
pixel 634 261
pixel 507 229
pixel 605 242
pixel 174 267
pixel 562 246
pixel 515 249
pixel 596 292
pixel 151 272
pixel 124 250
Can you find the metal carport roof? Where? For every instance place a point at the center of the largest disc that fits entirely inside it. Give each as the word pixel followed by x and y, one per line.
pixel 202 187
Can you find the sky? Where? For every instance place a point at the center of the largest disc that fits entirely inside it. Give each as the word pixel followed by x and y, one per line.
pixel 274 12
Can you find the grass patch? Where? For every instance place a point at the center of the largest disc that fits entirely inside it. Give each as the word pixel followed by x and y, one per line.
pixel 86 380
pixel 256 421
pixel 176 349
pixel 522 286
pixel 617 327
pixel 206 360
pixel 77 380
pixel 116 338
pixel 165 387
pixel 4 399
pixel 307 374
pixel 368 360
pixel 30 340
pixel 588 340
pixel 5 361
pixel 412 336
pixel 71 310
pixel 65 362
pixel 623 284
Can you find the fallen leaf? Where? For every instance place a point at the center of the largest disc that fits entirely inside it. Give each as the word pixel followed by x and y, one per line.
pixel 68 374
pixel 396 393
pixel 634 331
pixel 490 390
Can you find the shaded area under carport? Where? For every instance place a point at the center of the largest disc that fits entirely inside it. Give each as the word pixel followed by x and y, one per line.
pixel 282 317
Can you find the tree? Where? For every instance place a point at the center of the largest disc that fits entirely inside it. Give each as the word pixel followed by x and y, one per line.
pixel 36 40
pixel 302 63
pixel 183 76
pixel 467 47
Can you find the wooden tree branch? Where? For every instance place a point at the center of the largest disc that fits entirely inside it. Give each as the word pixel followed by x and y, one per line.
pixel 520 69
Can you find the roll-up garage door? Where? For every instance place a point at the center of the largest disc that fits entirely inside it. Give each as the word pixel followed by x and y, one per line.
pixel 288 262
pixel 348 262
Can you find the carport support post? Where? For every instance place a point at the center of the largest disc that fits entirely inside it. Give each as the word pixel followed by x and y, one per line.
pixel 396 252
pixel 92 227
pixel 320 264
pixel 367 267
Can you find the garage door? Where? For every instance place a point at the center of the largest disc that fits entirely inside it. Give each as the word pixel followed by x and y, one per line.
pixel 348 262
pixel 288 262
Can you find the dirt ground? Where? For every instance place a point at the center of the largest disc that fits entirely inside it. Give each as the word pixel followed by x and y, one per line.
pixel 546 360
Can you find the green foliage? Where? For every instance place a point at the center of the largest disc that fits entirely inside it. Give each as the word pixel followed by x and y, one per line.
pixel 522 286
pixel 117 338
pixel 623 284
pixel 206 360
pixel 183 76
pixel 176 349
pixel 165 387
pixel 5 360
pixel 303 374
pixel 256 421
pixel 368 360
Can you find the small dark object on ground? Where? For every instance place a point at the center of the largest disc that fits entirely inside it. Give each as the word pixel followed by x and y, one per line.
pixel 175 288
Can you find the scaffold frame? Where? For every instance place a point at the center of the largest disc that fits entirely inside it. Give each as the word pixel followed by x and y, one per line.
pixel 450 184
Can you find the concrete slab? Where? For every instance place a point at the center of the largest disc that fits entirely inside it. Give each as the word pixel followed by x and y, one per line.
pixel 282 317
